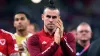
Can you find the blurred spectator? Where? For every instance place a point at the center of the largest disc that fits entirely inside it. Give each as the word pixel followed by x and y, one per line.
pixel 84 34
pixel 32 28
pixel 21 34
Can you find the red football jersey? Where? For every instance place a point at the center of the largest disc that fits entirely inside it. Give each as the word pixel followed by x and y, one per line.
pixel 7 43
pixel 42 44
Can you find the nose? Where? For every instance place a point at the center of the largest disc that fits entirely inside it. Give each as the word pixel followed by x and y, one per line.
pixel 19 21
pixel 51 19
pixel 84 33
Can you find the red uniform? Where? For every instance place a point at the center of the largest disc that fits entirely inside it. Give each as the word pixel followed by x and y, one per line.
pixel 42 44
pixel 7 43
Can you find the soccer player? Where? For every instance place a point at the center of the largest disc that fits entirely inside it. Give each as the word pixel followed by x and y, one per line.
pixel 21 23
pixel 51 40
pixel 8 46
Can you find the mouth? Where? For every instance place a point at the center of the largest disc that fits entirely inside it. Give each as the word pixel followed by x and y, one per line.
pixel 20 25
pixel 51 24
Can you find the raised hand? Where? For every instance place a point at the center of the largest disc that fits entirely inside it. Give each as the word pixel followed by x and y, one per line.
pixel 59 31
pixel 60 26
pixel 57 36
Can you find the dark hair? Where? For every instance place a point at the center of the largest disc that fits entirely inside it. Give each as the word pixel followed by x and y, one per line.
pixel 23 13
pixel 51 5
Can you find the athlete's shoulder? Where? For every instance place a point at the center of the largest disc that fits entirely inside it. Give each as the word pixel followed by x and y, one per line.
pixel 35 36
pixel 34 39
pixel 29 35
pixel 8 34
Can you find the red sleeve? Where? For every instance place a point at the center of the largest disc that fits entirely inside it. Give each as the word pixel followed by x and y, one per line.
pixel 68 45
pixel 34 47
pixel 11 43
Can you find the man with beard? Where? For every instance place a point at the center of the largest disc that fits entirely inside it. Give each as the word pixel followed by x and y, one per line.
pixel 83 35
pixel 21 23
pixel 51 40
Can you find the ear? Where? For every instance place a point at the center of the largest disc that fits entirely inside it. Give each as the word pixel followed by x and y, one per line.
pixel 42 16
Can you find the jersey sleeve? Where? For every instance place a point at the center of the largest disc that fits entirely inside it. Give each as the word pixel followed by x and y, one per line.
pixel 68 45
pixel 11 43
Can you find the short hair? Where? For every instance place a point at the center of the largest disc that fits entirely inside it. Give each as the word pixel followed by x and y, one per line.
pixel 85 23
pixel 27 16
pixel 51 6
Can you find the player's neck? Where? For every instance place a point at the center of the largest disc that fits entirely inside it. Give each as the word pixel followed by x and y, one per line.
pixel 50 32
pixel 83 43
pixel 22 33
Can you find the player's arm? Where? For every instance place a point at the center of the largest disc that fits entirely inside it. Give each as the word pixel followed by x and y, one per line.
pixel 12 46
pixel 35 49
pixel 68 45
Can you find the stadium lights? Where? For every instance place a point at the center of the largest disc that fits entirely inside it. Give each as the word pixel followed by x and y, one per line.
pixel 36 1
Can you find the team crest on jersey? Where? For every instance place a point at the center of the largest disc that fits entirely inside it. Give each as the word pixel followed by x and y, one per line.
pixel 2 41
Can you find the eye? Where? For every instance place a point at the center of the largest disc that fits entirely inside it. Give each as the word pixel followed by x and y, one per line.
pixel 22 18
pixel 81 31
pixel 86 31
pixel 48 16
pixel 16 19
pixel 54 17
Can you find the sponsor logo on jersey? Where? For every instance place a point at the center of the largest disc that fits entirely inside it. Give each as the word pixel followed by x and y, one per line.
pixel 44 42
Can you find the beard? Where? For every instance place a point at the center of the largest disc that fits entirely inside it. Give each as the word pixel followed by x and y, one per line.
pixel 21 29
pixel 50 27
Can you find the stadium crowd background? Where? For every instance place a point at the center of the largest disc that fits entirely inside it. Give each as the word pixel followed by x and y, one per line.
pixel 73 12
